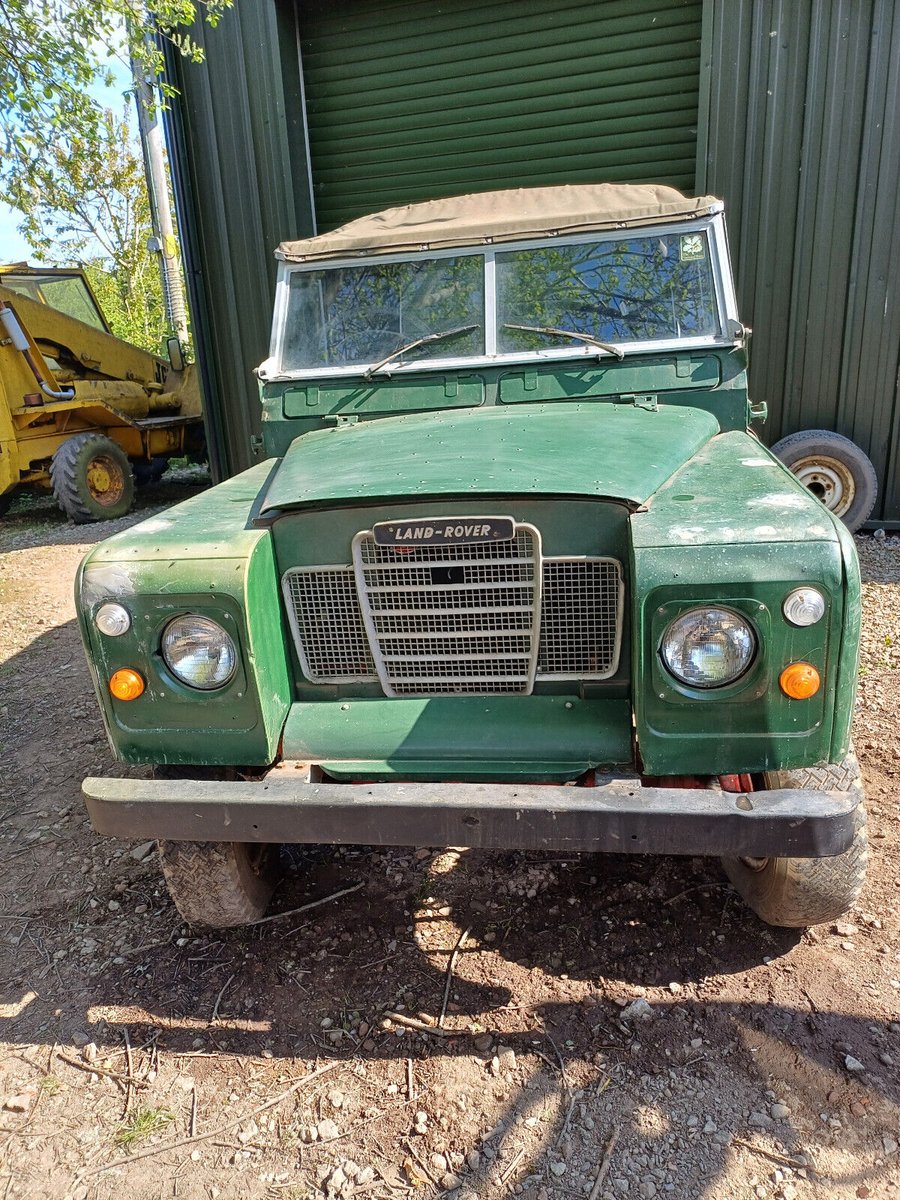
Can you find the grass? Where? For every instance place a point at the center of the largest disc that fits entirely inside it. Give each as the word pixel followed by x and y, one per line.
pixel 141 1124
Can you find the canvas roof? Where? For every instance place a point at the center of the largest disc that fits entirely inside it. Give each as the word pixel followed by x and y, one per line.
pixel 507 215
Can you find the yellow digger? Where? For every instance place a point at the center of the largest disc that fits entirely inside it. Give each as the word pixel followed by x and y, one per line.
pixel 81 411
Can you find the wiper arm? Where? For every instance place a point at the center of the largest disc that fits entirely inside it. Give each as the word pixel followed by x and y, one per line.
pixel 570 333
pixel 422 341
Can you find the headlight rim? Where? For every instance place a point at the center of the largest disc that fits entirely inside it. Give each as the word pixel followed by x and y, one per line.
pixel 171 668
pixel 741 678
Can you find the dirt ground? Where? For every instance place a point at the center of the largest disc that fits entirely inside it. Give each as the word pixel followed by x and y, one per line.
pixel 141 1058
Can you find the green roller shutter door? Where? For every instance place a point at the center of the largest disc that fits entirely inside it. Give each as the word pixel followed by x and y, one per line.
pixel 423 98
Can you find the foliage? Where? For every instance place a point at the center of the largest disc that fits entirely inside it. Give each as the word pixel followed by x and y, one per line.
pixel 67 163
pixel 141 1124
pixel 86 200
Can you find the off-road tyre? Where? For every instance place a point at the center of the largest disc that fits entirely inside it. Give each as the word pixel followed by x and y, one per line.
pixel 92 479
pixel 796 892
pixel 835 470
pixel 219 884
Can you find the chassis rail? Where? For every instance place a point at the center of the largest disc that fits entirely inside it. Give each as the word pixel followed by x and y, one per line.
pixel 618 815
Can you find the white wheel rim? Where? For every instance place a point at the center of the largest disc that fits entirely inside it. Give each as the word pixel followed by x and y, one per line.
pixel 829 480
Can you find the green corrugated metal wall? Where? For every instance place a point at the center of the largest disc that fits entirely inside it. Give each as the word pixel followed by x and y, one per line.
pixel 804 144
pixel 240 167
pixel 796 124
pixel 410 100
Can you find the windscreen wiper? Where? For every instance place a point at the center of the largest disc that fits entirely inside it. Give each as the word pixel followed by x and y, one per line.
pixel 422 341
pixel 570 333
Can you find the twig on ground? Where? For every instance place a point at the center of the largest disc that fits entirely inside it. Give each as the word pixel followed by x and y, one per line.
pixel 414 1023
pixel 604 1164
pixel 775 1157
pixel 700 887
pixel 193 1129
pixel 211 1133
pixel 215 1011
pixel 568 1120
pixel 450 965
pixel 292 912
pixel 96 1069
pixel 559 1057
pixel 512 1166
pixel 128 1060
pixel 410 1080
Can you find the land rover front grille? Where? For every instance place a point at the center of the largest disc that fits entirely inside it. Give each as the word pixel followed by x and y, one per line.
pixel 457 619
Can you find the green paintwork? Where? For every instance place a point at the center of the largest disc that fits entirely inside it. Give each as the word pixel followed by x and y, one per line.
pixel 396 396
pixel 560 449
pixel 199 556
pixel 642 374
pixel 701 541
pixel 544 739
pixel 429 98
pixel 712 380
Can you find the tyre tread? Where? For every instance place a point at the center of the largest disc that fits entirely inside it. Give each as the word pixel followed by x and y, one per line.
pixel 796 892
pixel 214 883
pixel 64 478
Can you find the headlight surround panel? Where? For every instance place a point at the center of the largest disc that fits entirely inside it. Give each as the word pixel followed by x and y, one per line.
pixel 232 706
pixel 750 683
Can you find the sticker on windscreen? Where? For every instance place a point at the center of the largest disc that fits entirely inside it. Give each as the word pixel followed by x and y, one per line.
pixel 692 247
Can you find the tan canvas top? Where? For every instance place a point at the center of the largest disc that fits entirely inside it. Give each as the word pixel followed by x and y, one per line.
pixel 502 216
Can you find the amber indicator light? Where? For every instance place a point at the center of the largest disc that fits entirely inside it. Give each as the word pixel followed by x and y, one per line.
pixel 126 684
pixel 800 681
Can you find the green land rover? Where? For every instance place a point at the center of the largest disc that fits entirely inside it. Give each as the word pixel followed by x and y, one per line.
pixel 514 573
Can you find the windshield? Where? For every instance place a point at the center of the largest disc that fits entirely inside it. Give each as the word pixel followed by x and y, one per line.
pixel 66 293
pixel 560 299
pixel 358 315
pixel 639 289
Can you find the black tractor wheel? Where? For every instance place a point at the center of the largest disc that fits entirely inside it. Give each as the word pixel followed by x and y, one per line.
pixel 219 884
pixel 92 479
pixel 835 470
pixel 796 892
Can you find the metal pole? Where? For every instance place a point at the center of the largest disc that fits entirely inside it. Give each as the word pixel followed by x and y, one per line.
pixel 163 240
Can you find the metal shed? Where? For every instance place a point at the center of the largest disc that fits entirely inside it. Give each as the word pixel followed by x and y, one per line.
pixel 306 114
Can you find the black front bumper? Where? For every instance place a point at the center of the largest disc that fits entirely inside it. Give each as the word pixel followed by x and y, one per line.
pixel 618 816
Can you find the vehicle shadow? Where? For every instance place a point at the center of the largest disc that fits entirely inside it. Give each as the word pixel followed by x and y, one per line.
pixel 363 979
pixel 556 947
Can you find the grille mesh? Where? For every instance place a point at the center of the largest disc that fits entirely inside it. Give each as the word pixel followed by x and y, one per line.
pixel 328 626
pixel 457 619
pixel 579 618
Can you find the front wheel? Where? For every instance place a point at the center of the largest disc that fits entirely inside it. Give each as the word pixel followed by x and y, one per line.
pixel 219 884
pixel 91 478
pixel 796 892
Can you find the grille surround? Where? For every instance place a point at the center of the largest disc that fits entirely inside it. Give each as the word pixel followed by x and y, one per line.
pixel 562 621
pixel 495 579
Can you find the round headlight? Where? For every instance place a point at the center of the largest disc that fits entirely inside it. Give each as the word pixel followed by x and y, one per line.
pixel 804 606
pixel 112 619
pixel 199 652
pixel 708 647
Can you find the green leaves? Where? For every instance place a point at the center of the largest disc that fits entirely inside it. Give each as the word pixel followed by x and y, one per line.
pixel 67 163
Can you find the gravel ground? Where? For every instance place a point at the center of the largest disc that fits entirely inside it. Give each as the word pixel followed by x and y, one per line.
pixel 614 1026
